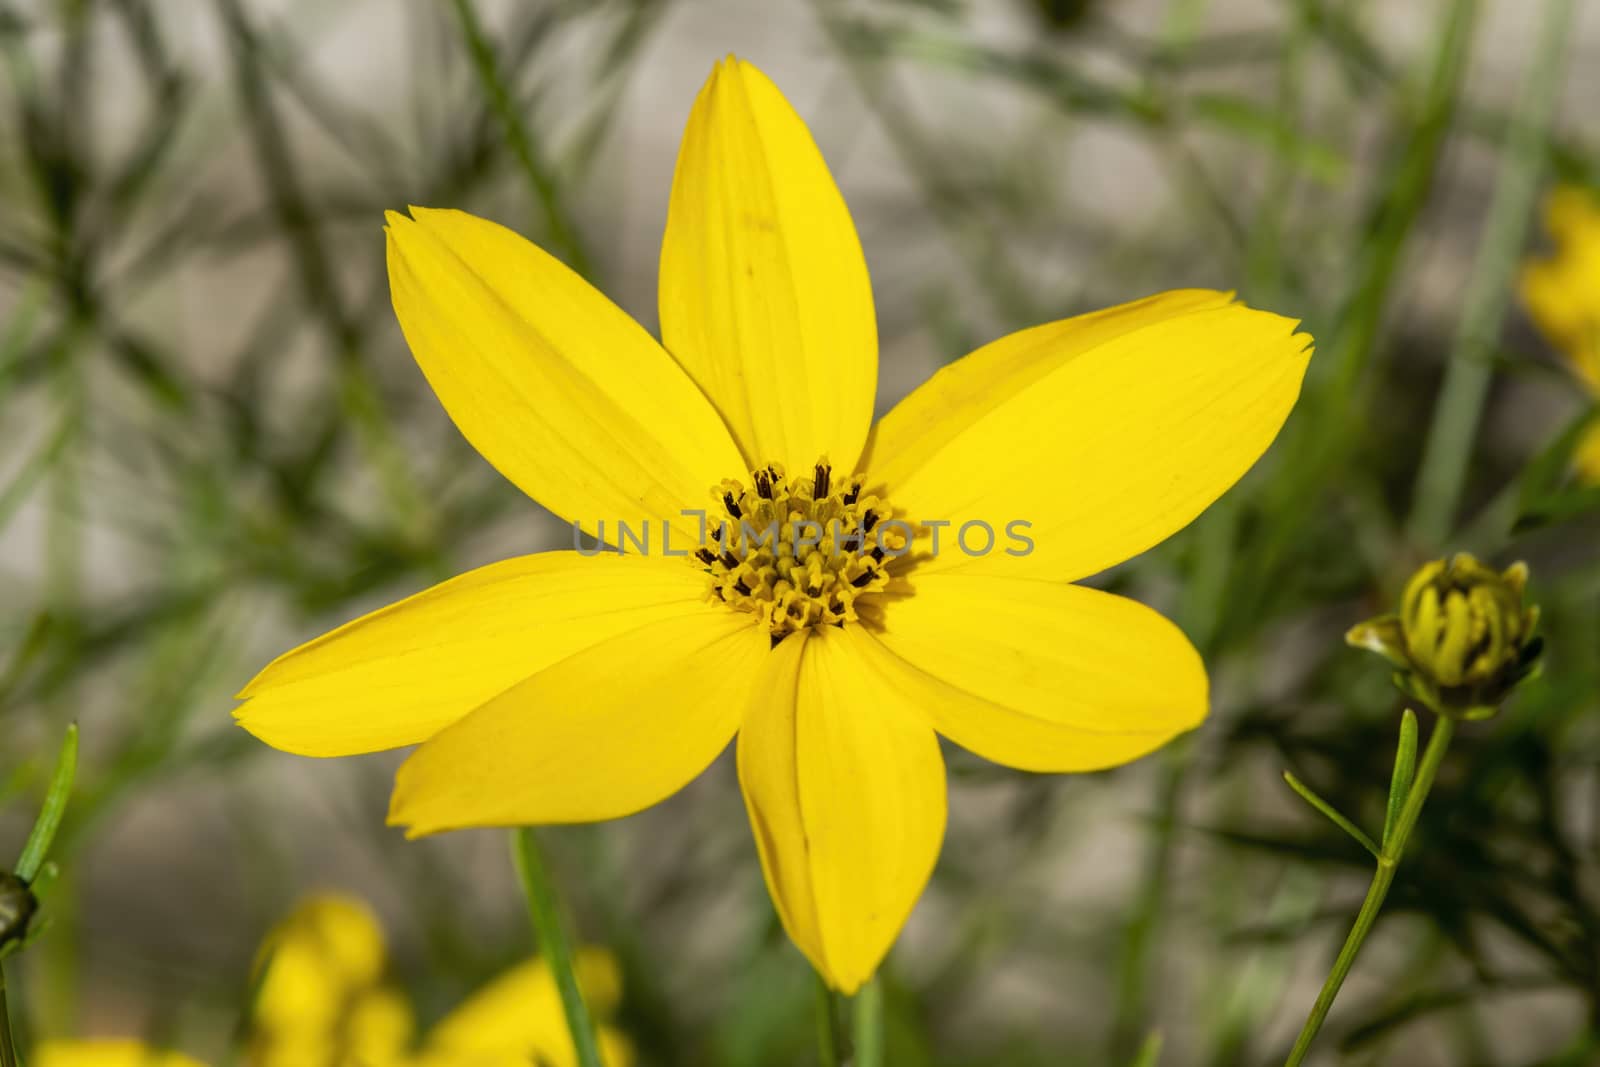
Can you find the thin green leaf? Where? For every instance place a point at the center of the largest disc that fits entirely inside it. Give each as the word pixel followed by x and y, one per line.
pixel 1150 1052
pixel 1327 809
pixel 1558 508
pixel 1405 765
pixel 55 805
pixel 1261 125
pixel 501 97
pixel 1542 476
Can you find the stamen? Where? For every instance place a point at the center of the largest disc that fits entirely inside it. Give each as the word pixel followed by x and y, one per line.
pixel 799 555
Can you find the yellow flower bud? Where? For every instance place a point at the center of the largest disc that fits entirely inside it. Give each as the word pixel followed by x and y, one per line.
pixel 1463 637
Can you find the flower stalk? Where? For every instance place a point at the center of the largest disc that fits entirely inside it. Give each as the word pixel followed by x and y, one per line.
pixel 828 1043
pixel 17 903
pixel 1393 847
pixel 868 1025
pixel 8 1050
pixel 1462 640
pixel 544 911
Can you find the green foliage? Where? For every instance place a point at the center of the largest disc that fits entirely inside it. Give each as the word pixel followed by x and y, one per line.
pixel 215 444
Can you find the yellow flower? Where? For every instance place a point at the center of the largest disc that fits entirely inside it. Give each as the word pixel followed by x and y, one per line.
pixel 564 687
pixel 1562 295
pixel 322 1000
pixel 323 1003
pixel 521 1010
pixel 113 1052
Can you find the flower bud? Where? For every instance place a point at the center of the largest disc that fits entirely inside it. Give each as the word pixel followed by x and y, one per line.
pixel 17 905
pixel 1463 637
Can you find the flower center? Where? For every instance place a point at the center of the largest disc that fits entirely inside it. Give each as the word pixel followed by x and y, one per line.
pixel 798 553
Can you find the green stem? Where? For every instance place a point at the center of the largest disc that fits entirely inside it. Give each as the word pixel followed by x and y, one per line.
pixel 1388 860
pixel 1136 963
pixel 868 1027
pixel 827 1026
pixel 545 913
pixel 1467 377
pixel 8 1051
pixel 561 234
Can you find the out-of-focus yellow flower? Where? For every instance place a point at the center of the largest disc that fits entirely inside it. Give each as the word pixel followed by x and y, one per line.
pixel 566 687
pixel 1562 294
pixel 323 963
pixel 115 1052
pixel 323 1002
pixel 522 1010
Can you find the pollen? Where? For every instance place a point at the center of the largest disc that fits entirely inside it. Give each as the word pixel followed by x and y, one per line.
pixel 799 553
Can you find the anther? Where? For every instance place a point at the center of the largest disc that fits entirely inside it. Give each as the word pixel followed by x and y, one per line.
pixel 794 554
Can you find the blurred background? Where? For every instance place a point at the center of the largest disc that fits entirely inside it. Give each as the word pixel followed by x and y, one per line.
pixel 213 445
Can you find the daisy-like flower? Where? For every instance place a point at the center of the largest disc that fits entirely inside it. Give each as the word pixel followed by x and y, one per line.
pixel 1562 294
pixel 920 583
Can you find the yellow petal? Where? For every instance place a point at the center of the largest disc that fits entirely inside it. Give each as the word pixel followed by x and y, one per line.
pixel 601 734
pixel 380 1028
pixel 765 299
pixel 403 673
pixel 329 949
pixel 556 386
pixel 1105 433
pixel 519 1013
pixel 106 1053
pixel 1562 293
pixel 846 792
pixel 1040 675
pixel 1586 456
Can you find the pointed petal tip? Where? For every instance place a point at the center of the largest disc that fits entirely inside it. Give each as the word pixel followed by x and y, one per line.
pixel 396 817
pixel 848 987
pixel 243 720
pixel 394 219
pixel 404 802
pixel 422 216
pixel 409 825
pixel 1291 323
pixel 720 69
